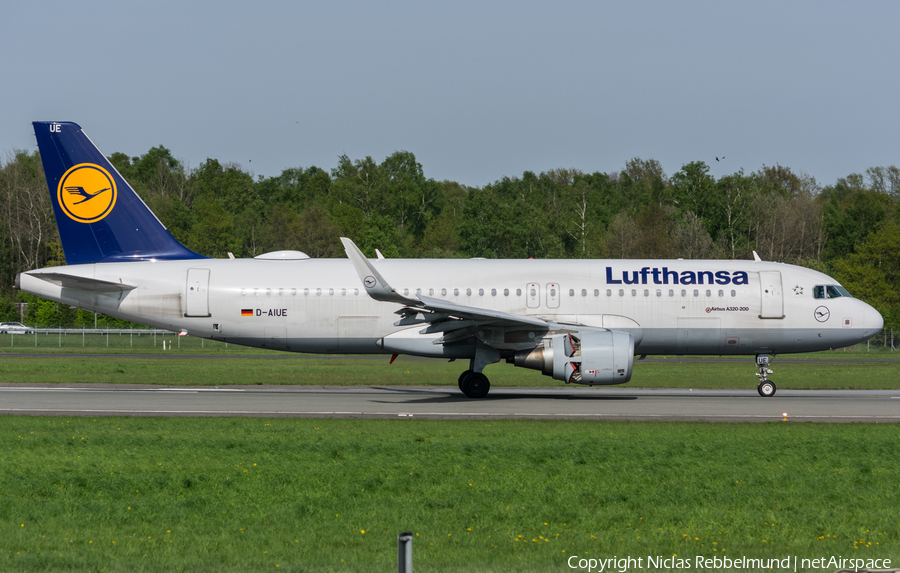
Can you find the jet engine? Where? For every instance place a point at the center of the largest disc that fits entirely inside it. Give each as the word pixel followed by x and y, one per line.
pixel 604 357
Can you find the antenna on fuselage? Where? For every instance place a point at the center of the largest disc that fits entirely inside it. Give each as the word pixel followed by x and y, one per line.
pixel 756 257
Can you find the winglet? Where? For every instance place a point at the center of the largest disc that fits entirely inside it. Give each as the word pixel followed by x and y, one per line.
pixel 756 257
pixel 374 283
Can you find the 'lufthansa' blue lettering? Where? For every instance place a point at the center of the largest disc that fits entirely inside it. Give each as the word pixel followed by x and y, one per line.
pixel 664 276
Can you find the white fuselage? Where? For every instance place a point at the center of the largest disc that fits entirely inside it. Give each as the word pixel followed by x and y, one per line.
pixel 320 305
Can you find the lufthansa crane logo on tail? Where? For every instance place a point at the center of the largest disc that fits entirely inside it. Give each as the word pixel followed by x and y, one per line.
pixel 86 193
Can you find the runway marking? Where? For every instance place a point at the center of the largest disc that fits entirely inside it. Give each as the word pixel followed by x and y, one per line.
pixel 450 414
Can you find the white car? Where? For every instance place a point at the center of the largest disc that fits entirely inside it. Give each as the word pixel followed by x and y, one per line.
pixel 14 328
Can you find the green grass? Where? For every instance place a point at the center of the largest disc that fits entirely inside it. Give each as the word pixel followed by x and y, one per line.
pixel 790 373
pixel 127 343
pixel 153 494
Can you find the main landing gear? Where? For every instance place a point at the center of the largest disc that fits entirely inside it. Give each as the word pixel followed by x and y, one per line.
pixel 474 384
pixel 766 387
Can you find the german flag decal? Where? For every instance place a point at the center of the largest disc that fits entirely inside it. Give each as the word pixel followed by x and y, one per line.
pixel 246 312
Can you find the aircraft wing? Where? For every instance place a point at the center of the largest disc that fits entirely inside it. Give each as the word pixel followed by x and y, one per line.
pixel 456 321
pixel 82 283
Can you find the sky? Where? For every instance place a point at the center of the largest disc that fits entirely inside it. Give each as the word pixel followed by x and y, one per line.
pixel 477 91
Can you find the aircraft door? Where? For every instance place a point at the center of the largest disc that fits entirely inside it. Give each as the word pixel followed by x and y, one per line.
pixel 196 293
pixel 533 295
pixel 553 295
pixel 772 299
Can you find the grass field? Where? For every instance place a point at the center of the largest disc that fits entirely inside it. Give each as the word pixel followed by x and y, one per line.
pixel 281 368
pixel 150 494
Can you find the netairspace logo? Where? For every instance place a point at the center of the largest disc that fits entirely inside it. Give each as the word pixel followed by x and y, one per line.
pixel 701 562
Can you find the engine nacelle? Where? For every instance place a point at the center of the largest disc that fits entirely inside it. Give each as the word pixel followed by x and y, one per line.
pixel 590 358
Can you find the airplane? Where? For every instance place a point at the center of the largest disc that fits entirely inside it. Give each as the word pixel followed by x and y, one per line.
pixel 577 321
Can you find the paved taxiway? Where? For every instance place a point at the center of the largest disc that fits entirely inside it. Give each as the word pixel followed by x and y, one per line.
pixel 442 402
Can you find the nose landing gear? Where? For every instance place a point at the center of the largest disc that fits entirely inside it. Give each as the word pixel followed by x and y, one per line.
pixel 766 387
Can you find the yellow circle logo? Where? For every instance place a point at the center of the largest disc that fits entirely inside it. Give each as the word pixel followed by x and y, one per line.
pixel 86 193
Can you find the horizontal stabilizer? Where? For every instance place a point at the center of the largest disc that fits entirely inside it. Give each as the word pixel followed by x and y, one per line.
pixel 82 283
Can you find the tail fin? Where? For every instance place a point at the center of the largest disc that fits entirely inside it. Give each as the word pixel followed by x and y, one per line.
pixel 100 217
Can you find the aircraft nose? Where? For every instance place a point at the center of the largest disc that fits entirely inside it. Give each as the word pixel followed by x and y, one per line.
pixel 873 318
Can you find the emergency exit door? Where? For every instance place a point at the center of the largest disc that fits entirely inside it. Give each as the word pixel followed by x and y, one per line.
pixel 772 299
pixel 196 294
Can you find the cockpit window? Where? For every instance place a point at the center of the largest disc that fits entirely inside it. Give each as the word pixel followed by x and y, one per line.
pixel 841 290
pixel 829 291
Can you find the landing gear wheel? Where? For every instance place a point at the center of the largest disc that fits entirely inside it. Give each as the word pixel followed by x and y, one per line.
pixel 766 388
pixel 463 377
pixel 475 385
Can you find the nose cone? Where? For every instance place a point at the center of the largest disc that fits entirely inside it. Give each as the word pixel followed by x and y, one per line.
pixel 873 319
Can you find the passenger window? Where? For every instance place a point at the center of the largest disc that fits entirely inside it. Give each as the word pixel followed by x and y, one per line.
pixel 646 292
pixel 406 292
pixel 418 291
pixel 281 292
pixel 431 292
pixel 609 292
pixel 683 292
pixel 596 292
pixel 456 292
pixel 733 293
pixel 343 292
pixel 481 292
pixel 318 292
pixel 306 292
pixel 621 292
pixel 443 292
pixel 708 292
pixel 696 292
pixel 493 292
pixel 671 292
pixel 293 292
pixel 633 292
pixel 721 293
pixel 506 292
pixel 553 292
pixel 533 292
pixel 331 292
pixel 468 292
pixel 269 291
pixel 658 292
pixel 518 292
pixel 571 292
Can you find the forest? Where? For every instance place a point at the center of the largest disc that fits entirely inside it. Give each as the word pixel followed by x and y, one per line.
pixel 849 230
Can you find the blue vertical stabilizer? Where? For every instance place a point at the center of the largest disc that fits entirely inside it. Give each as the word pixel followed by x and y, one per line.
pixel 100 217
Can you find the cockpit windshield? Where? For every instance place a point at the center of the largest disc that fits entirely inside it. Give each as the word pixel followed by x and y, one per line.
pixel 829 291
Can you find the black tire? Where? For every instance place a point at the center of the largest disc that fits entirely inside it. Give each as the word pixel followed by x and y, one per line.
pixel 461 378
pixel 476 385
pixel 766 389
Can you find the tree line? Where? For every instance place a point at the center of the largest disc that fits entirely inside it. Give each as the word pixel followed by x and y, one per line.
pixel 850 230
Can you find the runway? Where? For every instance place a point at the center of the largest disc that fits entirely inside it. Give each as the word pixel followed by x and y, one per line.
pixel 444 402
